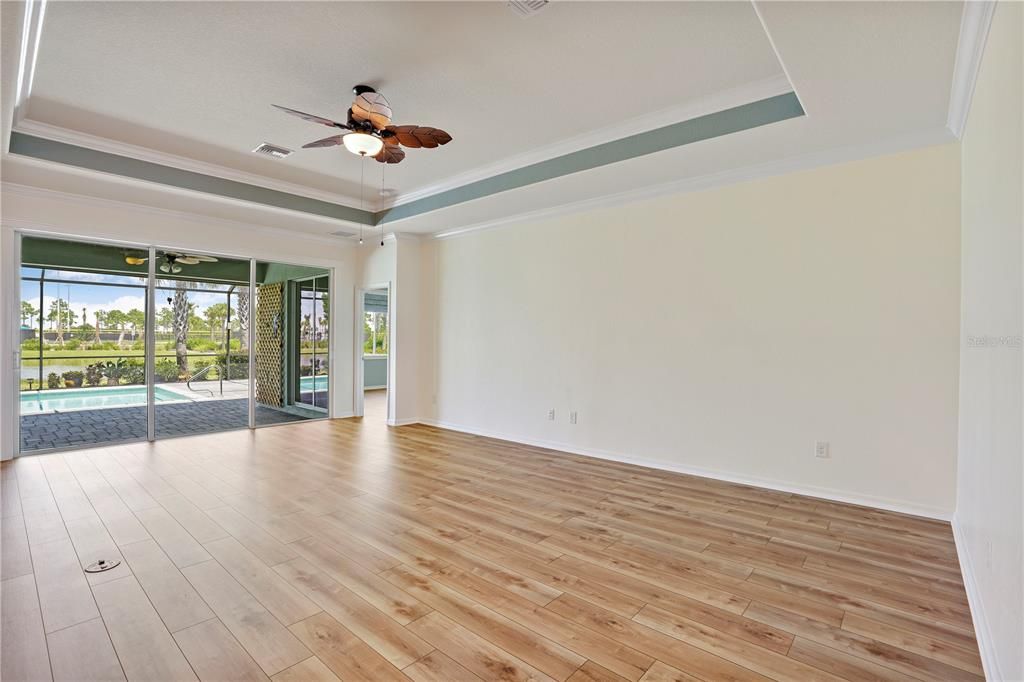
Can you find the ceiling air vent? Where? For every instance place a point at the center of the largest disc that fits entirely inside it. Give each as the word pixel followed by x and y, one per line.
pixel 273 150
pixel 526 8
pixel 343 233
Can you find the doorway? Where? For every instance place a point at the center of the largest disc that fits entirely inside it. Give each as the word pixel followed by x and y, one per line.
pixel 374 354
pixel 121 342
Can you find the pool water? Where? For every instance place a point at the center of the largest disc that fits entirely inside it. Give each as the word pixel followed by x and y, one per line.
pixel 318 383
pixel 63 400
pixel 67 399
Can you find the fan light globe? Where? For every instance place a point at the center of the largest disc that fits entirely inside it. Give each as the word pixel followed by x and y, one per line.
pixel 363 144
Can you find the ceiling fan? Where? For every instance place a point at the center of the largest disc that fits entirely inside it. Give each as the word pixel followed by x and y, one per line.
pixel 368 130
pixel 172 260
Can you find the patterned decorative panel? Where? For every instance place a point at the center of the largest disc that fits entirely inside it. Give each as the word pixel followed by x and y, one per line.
pixel 270 344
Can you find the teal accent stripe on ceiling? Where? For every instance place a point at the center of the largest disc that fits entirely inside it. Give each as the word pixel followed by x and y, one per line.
pixel 744 117
pixel 83 157
pixel 736 119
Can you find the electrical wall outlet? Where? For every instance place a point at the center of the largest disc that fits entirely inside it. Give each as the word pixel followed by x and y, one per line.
pixel 572 417
pixel 551 415
pixel 821 449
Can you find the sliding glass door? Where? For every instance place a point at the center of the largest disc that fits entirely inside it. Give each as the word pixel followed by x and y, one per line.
pixel 82 344
pixel 312 379
pixel 201 364
pixel 120 343
pixel 292 359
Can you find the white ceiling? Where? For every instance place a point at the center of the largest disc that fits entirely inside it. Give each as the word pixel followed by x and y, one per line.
pixel 195 80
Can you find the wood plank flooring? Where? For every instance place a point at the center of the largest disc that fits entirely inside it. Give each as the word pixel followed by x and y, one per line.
pixel 345 550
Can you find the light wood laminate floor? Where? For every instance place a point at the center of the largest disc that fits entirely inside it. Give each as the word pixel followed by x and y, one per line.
pixel 347 550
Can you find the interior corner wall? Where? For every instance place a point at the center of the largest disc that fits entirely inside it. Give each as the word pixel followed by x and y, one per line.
pixel 988 522
pixel 398 262
pixel 85 219
pixel 379 265
pixel 724 332
pixel 406 332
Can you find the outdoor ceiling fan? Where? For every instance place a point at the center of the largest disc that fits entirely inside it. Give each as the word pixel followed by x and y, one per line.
pixel 368 131
pixel 172 260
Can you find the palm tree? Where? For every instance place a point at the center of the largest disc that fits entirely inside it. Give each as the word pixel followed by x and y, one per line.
pixel 62 315
pixel 28 311
pixel 100 319
pixel 182 317
pixel 136 318
pixel 119 320
pixel 215 316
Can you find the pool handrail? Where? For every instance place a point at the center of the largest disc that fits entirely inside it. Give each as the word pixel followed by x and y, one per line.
pixel 204 370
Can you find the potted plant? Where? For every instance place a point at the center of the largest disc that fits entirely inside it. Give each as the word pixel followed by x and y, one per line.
pixel 73 379
pixel 112 370
pixel 133 372
pixel 93 375
pixel 53 380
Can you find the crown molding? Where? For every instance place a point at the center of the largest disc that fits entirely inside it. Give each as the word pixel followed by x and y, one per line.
pixel 793 164
pixel 102 144
pixel 974 26
pixel 727 99
pixel 131 182
pixel 85 200
pixel 778 55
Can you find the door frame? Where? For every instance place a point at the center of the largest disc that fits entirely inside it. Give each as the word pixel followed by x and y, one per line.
pixel 357 344
pixel 295 325
pixel 10 285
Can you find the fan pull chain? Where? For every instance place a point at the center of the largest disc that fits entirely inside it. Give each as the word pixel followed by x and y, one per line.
pixel 382 166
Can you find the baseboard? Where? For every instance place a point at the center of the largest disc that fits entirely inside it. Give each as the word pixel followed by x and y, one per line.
pixel 831 494
pixel 343 415
pixel 981 630
pixel 403 422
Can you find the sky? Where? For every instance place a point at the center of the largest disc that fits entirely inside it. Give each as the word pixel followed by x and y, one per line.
pixel 93 298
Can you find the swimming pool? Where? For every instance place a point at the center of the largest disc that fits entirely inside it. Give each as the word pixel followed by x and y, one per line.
pixel 318 383
pixel 67 399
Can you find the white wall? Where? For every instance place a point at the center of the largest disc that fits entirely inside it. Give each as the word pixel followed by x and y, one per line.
pixel 399 262
pixel 377 263
pixel 989 513
pixel 135 224
pixel 406 332
pixel 723 332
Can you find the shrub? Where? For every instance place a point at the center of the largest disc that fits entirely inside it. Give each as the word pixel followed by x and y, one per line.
pixel 93 375
pixel 30 344
pixel 239 365
pixel 72 344
pixel 73 378
pixel 200 365
pixel 112 370
pixel 53 380
pixel 166 370
pixel 133 372
pixel 201 344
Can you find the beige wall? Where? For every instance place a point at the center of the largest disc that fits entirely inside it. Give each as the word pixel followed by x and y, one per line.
pixel 722 332
pixel 989 487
